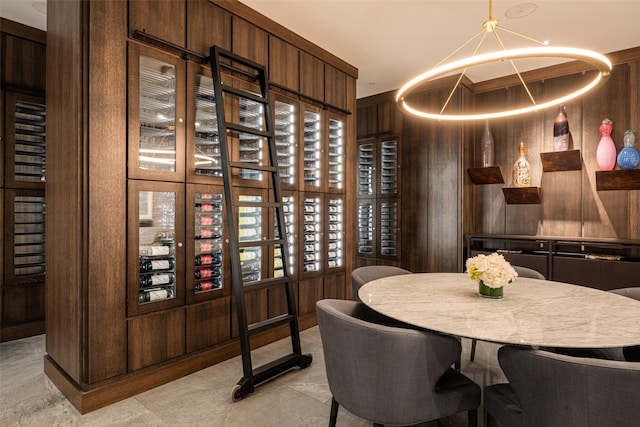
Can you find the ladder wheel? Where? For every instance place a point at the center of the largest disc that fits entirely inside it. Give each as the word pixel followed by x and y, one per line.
pixel 237 393
pixel 305 360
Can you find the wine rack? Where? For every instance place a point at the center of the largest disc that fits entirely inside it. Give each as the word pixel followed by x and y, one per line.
pixel 389 167
pixel 30 136
pixel 312 149
pixel 157 97
pixel 311 232
pixel 28 236
pixel 207 147
pixel 285 141
pixel 288 208
pixel 335 239
pixel 250 230
pixel 365 228
pixel 208 274
pixel 366 177
pixel 388 228
pixel 335 155
pixel 156 251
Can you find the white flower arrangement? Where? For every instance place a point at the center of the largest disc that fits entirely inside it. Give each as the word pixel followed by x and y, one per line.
pixel 493 270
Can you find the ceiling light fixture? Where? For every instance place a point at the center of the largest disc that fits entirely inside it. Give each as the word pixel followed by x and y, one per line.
pixel 490 26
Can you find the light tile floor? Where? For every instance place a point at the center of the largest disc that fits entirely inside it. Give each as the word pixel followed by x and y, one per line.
pixel 296 399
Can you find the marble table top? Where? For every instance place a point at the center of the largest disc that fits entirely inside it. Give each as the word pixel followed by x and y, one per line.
pixel 533 312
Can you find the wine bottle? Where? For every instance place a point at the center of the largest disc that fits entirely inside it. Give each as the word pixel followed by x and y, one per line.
pixel 521 170
pixel 206 273
pixel 147 265
pixel 156 280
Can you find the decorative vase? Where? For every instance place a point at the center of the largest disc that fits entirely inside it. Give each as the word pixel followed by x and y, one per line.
pixel 487 292
pixel 606 152
pixel 486 146
pixel 561 135
pixel 628 157
pixel 521 170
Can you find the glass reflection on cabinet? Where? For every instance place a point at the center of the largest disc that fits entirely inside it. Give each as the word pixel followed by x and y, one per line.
pixel 207 155
pixel 311 152
pixel 30 135
pixel 311 232
pixel 157 115
pixel 365 170
pixel 250 230
pixel 28 235
pixel 156 238
pixel 334 233
pixel 251 146
pixel 208 242
pixel 285 141
pixel 288 204
pixel 365 228
pixel 389 167
pixel 336 143
pixel 388 228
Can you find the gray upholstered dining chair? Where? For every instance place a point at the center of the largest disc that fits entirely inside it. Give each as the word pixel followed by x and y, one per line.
pixel 362 275
pixel 550 389
pixel 388 374
pixel 522 272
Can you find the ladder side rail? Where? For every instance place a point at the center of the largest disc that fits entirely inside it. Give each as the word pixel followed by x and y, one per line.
pixel 236 269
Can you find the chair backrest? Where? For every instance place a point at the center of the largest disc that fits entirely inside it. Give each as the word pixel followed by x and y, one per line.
pixel 633 292
pixel 560 390
pixel 362 275
pixel 528 272
pixel 380 372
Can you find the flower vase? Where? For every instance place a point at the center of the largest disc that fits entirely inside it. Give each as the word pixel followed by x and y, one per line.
pixel 487 292
pixel 606 152
pixel 628 157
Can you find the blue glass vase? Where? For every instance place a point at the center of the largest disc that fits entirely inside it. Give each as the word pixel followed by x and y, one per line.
pixel 628 157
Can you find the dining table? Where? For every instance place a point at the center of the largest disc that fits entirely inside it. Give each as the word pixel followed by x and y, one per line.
pixel 532 312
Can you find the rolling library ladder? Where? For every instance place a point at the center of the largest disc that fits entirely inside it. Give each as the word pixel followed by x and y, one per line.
pixel 241 246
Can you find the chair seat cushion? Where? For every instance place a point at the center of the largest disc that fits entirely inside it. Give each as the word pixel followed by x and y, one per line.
pixel 502 402
pixel 453 383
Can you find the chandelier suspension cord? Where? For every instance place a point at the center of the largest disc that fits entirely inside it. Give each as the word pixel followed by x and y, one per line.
pixel 513 64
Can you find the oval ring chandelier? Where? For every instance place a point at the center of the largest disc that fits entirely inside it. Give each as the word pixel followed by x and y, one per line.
pixel 598 61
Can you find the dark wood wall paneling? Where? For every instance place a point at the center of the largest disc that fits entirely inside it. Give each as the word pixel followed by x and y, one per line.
pixel 437 211
pixel 90 337
pixel 22 62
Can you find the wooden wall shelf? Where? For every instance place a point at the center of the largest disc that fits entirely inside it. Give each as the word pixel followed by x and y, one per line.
pixel 556 161
pixel 618 180
pixel 522 195
pixel 489 175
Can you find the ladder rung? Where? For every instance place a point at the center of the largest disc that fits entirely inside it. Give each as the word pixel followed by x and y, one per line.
pixel 266 242
pixel 258 204
pixel 244 61
pixel 248 130
pixel 252 166
pixel 273 322
pixel 244 94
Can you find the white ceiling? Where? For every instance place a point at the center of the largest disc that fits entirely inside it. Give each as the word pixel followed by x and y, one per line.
pixel 390 41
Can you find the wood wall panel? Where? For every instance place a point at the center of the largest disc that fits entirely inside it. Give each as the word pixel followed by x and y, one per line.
pixel 208 25
pixel 366 118
pixel 166 20
pixel 284 63
pixel 249 41
pixel 22 304
pixel 334 286
pixel 106 186
pixel 335 87
pixel 311 76
pixel 634 109
pixel 208 324
pixel 65 188
pixel 309 291
pixel 155 338
pixel 23 64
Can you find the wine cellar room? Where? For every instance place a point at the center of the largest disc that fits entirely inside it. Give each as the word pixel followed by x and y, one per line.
pixel 116 170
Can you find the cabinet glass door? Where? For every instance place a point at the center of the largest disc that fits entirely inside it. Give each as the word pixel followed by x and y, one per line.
pixel 389 167
pixel 311 231
pixel 156 117
pixel 289 210
pixel 26 137
pixel 311 160
pixel 286 143
pixel 366 167
pixel 156 245
pixel 27 209
pixel 208 224
pixel 389 228
pixel 335 233
pixel 250 230
pixel 365 228
pixel 206 157
pixel 335 155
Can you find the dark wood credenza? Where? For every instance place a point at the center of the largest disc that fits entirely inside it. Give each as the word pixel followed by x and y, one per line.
pixel 598 263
